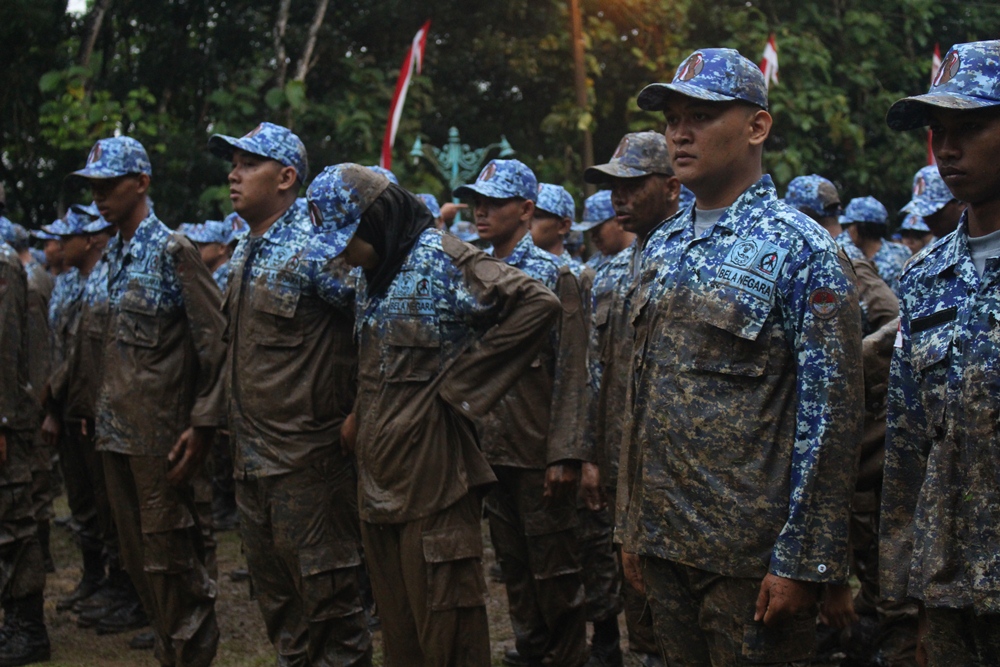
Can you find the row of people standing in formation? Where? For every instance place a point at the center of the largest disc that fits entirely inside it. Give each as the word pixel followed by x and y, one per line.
pixel 736 404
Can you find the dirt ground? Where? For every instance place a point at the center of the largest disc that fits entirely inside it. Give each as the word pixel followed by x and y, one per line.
pixel 243 644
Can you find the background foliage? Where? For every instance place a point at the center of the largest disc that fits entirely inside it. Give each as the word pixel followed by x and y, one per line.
pixel 172 72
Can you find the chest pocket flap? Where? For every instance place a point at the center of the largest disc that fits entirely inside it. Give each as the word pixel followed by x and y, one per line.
pixel 274 316
pixel 137 321
pixel 729 328
pixel 930 347
pixel 413 349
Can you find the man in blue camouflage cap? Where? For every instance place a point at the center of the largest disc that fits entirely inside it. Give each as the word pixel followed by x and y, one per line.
pixel 748 393
pixel 290 311
pixel 938 526
pixel 597 210
pixel 431 202
pixel 914 233
pixel 867 223
pixel 162 304
pixel 533 437
pixel 212 238
pixel 644 193
pixel 933 201
pixel 552 221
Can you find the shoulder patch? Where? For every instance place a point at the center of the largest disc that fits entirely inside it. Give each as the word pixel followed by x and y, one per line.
pixel 824 303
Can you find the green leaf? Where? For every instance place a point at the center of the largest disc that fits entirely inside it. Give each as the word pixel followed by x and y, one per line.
pixel 50 81
pixel 295 91
pixel 274 98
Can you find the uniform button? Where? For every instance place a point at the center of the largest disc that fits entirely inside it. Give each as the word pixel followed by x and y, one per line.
pixel 821 567
pixel 465 405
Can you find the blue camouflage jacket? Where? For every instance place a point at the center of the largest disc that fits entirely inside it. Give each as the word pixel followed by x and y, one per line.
pixel 164 335
pixel 889 261
pixel 221 276
pixel 746 395
pixel 939 533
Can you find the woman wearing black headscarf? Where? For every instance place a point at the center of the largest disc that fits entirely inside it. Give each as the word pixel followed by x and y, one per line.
pixel 443 331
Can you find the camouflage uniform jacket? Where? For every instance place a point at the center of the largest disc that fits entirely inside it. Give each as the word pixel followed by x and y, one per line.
pixel 889 260
pixel 847 244
pixel 610 353
pixel 77 383
pixel 454 331
pixel 18 409
pixel 940 537
pixel 40 285
pixel 221 276
pixel 164 352
pixel 540 420
pixel 292 373
pixel 747 395
pixel 65 293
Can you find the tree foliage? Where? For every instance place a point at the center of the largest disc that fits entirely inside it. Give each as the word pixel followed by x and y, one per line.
pixel 171 73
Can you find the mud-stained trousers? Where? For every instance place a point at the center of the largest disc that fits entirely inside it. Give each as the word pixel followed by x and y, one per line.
pixel 638 616
pixel 301 535
pixel 704 619
pixel 83 476
pixel 41 480
pixel 961 638
pixel 536 546
pixel 22 572
pixel 427 577
pixel 601 579
pixel 164 554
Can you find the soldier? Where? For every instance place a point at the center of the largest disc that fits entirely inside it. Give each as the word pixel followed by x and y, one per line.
pixel 212 239
pixel 746 390
pixel 606 233
pixel 164 335
pixel 885 628
pixel 644 193
pixel 933 201
pixel 939 529
pixel 867 227
pixel 22 572
pixel 914 233
pixel 552 223
pixel 533 438
pixel 436 320
pixel 292 378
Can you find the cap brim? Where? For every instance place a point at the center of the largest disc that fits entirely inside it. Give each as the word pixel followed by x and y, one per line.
pixel 91 171
pixel 221 145
pixel 484 188
pixel 42 236
pixel 910 113
pixel 654 96
pixel 586 226
pixel 923 207
pixel 330 244
pixel 603 173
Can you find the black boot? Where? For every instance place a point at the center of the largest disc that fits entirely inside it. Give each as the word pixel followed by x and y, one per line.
pixel 605 645
pixel 90 582
pixel 25 639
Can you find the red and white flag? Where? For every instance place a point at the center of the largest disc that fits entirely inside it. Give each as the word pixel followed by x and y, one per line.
pixel 935 68
pixel 414 60
pixel 769 65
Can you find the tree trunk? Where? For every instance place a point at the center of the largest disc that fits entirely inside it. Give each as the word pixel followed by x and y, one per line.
pixel 94 22
pixel 279 41
pixel 305 62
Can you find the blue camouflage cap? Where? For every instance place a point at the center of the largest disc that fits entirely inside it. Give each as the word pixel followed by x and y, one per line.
pixel 8 230
pixel 385 172
pixel 338 197
pixel 638 154
pixel 267 140
pixel 556 200
pixel 55 228
pixel 686 198
pixel 813 192
pixel 237 226
pixel 43 235
pixel 865 209
pixel 969 78
pixel 78 221
pixel 114 157
pixel 431 202
pixel 930 194
pixel 597 210
pixel 713 75
pixel 914 223
pixel 87 209
pixel 464 230
pixel 210 231
pixel 503 179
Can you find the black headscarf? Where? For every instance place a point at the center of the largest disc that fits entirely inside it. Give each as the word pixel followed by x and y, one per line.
pixel 392 225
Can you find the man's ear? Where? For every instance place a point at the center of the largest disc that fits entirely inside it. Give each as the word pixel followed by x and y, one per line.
pixel 527 211
pixel 760 127
pixel 565 226
pixel 288 178
pixel 672 186
pixel 142 183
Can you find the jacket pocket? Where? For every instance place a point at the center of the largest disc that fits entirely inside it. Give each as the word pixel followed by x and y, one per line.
pixel 929 358
pixel 412 351
pixel 729 340
pixel 454 568
pixel 274 317
pixel 137 321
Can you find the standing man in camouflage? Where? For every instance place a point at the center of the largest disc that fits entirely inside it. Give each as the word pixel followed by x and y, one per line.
pixel 939 530
pixel 934 202
pixel 533 438
pixel 746 392
pixel 23 637
pixel 644 193
pixel 292 382
pixel 164 335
